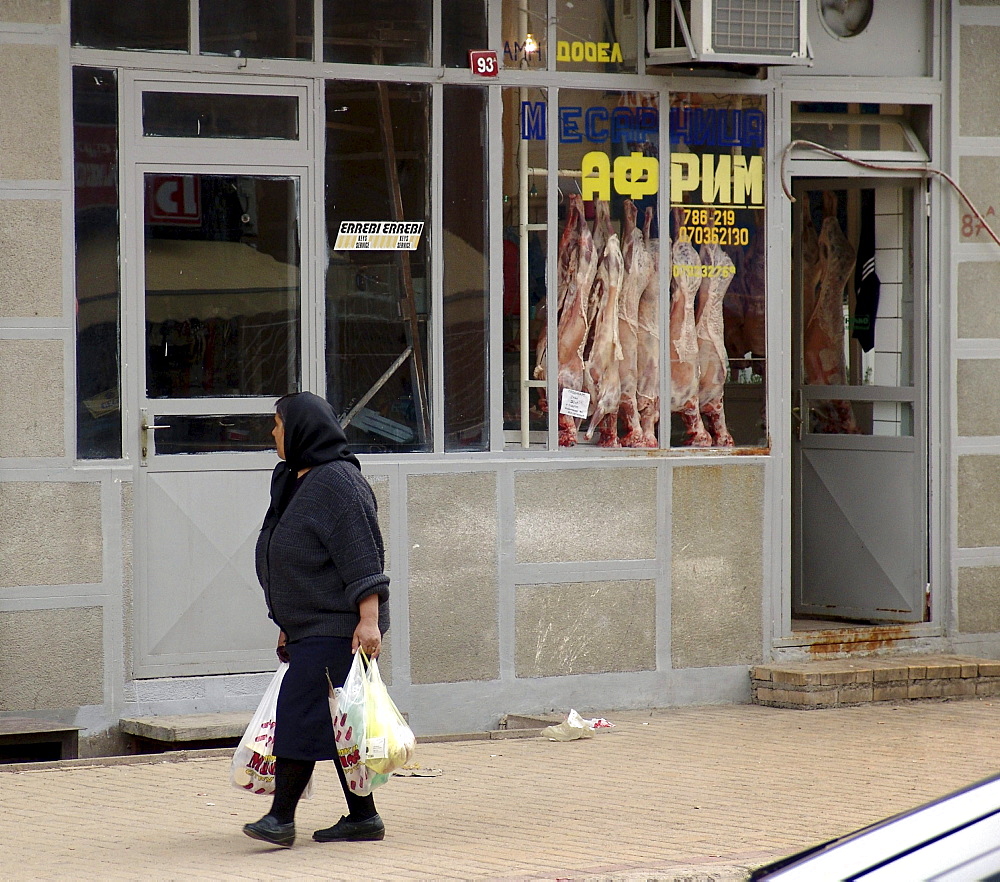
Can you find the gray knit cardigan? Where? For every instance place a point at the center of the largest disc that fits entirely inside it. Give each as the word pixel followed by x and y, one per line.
pixel 324 556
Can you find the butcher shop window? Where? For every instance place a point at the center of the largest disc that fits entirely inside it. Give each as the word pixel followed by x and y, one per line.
pixel 717 339
pixel 608 281
pixel 608 358
pixel 605 352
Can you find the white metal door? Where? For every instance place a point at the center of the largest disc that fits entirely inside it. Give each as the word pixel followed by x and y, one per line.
pixel 223 304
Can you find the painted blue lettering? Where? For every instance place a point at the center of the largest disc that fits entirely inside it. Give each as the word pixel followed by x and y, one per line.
pixel 597 116
pixel 532 120
pixel 649 121
pixel 753 130
pixel 622 125
pixel 569 125
pixel 711 127
pixel 730 129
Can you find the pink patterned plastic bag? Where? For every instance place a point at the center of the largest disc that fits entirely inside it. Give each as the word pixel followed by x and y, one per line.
pixel 252 768
pixel 347 709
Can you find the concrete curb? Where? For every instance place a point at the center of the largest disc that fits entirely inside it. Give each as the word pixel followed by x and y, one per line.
pixel 205 753
pixel 699 873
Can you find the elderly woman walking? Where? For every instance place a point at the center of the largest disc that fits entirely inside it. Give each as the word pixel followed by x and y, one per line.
pixel 320 561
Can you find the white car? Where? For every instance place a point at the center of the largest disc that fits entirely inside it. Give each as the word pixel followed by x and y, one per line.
pixel 952 839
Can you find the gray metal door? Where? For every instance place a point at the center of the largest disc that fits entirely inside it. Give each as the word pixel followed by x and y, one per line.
pixel 859 518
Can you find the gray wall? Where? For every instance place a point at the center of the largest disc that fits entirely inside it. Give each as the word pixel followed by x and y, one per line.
pixel 976 612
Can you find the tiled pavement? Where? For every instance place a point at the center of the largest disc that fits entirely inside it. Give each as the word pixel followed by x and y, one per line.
pixel 692 793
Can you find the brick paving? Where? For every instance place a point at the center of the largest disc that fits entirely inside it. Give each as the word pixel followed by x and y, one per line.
pixel 692 793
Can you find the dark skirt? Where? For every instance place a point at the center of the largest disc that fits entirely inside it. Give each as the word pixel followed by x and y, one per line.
pixel 303 728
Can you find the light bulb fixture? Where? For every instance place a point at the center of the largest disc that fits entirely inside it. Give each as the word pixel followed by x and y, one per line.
pixel 530 43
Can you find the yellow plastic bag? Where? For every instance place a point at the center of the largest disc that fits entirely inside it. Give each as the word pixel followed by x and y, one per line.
pixel 390 744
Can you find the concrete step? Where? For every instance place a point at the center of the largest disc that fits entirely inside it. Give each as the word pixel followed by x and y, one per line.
pixel 186 730
pixel 840 682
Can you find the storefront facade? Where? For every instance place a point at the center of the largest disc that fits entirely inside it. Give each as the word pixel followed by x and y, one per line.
pixel 635 419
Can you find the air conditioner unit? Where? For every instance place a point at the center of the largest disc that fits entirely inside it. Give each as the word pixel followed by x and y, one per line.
pixel 760 32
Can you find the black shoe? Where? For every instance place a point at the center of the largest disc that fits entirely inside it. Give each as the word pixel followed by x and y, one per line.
pixel 267 829
pixel 346 830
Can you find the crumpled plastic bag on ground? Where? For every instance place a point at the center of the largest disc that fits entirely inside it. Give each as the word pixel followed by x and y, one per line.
pixel 570 729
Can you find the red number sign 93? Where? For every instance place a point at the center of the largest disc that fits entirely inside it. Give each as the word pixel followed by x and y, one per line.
pixel 483 63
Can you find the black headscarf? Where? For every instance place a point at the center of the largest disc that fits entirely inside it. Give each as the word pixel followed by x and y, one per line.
pixel 313 436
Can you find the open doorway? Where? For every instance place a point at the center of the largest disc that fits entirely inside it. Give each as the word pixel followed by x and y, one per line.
pixel 859 464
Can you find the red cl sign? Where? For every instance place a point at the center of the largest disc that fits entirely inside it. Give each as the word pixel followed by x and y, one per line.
pixel 483 63
pixel 173 199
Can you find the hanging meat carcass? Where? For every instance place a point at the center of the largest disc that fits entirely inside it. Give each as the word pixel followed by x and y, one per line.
pixel 575 243
pixel 828 264
pixel 685 279
pixel 601 378
pixel 638 266
pixel 713 360
pixel 576 278
pixel 603 230
pixel 648 388
pixel 743 307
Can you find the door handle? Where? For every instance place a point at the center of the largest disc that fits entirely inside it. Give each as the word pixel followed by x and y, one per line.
pixel 145 427
pixel 797 422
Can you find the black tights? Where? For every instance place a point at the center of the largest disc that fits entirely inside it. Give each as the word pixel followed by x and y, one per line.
pixel 290 779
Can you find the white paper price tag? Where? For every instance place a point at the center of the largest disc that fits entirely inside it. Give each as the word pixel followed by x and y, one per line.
pixel 575 404
pixel 377 748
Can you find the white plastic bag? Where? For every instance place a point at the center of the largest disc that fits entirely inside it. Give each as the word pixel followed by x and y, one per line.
pixel 389 741
pixel 347 709
pixel 570 729
pixel 252 767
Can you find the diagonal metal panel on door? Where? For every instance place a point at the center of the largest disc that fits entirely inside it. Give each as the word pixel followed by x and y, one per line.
pixel 204 608
pixel 859 553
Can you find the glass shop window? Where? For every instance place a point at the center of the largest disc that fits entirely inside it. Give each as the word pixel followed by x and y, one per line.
pixel 523 25
pixel 607 348
pixel 597 36
pixel 463 29
pixel 377 284
pixel 216 115
pixel 151 25
pixel 609 284
pixel 222 286
pixel 717 273
pixel 395 32
pixel 525 210
pixel 465 247
pixel 256 29
pixel 867 131
pixel 98 293
pixel 855 325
